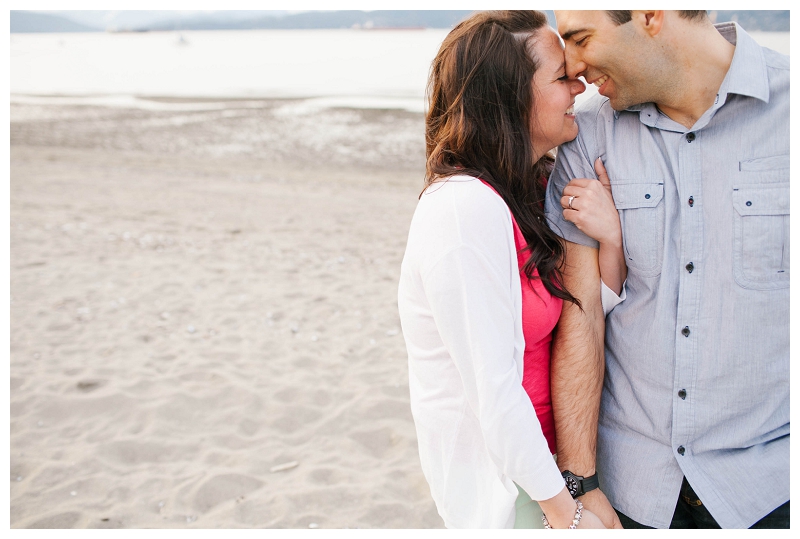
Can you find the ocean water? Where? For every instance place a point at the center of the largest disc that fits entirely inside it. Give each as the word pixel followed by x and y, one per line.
pixel 385 69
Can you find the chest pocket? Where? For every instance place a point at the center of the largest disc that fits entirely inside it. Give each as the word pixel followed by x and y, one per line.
pixel 761 236
pixel 641 214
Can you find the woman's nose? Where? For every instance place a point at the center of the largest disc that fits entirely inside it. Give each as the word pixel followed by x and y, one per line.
pixel 578 87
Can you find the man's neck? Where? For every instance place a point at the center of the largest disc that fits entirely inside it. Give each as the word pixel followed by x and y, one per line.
pixel 703 60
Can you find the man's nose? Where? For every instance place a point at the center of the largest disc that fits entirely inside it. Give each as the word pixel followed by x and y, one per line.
pixel 575 66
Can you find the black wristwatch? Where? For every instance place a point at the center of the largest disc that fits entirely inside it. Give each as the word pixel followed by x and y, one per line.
pixel 577 485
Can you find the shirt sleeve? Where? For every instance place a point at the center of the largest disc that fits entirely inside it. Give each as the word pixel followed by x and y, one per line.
pixel 469 289
pixel 609 298
pixel 572 161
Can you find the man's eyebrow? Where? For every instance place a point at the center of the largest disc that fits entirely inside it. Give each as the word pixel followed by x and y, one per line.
pixel 566 35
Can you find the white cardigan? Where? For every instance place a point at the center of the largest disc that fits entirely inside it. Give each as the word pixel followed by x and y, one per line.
pixel 460 305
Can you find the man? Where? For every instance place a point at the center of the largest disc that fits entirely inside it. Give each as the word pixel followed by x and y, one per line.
pixel 692 124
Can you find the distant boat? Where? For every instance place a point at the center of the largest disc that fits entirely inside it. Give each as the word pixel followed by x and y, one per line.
pixel 181 40
pixel 115 30
pixel 369 25
pixel 394 28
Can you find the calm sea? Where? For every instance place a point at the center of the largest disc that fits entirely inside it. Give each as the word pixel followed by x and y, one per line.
pixel 351 68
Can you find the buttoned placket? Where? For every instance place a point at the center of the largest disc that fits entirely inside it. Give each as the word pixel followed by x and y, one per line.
pixel 689 184
pixel 689 187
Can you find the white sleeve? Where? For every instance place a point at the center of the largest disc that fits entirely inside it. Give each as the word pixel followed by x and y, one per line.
pixel 609 298
pixel 470 296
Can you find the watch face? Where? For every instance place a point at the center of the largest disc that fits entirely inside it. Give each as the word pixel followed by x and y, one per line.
pixel 572 485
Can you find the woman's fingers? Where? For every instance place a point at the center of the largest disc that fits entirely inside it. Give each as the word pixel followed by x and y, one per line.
pixel 569 202
pixel 579 195
pixel 602 174
pixel 580 183
pixel 589 205
pixel 576 189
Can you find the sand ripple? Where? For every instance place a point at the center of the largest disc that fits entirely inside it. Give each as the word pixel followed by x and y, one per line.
pixel 195 303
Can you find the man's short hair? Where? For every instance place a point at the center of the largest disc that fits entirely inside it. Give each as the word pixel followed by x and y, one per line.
pixel 623 16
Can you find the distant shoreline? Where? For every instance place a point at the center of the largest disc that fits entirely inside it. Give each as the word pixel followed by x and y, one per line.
pixel 124 22
pixel 303 104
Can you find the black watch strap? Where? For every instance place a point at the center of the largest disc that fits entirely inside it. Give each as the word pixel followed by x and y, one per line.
pixel 590 483
pixel 577 485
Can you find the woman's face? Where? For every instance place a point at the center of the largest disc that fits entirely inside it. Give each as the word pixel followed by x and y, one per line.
pixel 553 115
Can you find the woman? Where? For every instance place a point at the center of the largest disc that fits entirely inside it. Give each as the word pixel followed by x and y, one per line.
pixel 480 285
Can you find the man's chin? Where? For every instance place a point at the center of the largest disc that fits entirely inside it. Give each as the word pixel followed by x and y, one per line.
pixel 618 104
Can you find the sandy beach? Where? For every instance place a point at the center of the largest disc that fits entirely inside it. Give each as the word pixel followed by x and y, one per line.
pixel 204 328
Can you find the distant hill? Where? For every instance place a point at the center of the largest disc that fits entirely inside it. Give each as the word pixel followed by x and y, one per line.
pixel 126 19
pixel 31 22
pixel 328 20
pixel 27 21
pixel 763 20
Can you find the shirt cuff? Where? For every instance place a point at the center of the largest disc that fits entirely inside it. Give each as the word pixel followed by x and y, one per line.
pixel 609 298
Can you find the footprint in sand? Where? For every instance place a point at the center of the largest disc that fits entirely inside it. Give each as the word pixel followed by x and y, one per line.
pixel 223 488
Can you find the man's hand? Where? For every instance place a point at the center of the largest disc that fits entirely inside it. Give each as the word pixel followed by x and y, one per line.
pixel 596 502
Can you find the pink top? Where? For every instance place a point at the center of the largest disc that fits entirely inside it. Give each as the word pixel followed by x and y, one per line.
pixel 540 313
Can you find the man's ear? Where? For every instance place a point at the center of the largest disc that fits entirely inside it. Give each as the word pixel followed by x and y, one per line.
pixel 651 21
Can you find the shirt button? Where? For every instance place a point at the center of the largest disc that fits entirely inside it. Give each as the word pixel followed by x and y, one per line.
pixel 685 331
pixel 691 201
pixel 681 450
pixel 690 267
pixel 690 137
pixel 682 394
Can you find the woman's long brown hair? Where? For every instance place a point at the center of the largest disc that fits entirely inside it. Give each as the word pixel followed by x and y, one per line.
pixel 481 103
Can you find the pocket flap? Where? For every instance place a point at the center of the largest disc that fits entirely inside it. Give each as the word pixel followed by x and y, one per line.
pixel 637 195
pixel 775 162
pixel 761 200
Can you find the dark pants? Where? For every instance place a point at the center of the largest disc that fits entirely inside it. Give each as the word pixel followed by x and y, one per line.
pixel 691 513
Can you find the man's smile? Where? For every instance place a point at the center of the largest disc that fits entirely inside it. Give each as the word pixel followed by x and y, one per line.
pixel 599 82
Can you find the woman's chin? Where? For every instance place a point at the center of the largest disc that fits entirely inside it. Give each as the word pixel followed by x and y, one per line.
pixel 571 136
pixel 553 143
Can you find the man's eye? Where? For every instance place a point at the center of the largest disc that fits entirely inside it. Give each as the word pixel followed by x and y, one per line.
pixel 580 42
pixel 565 77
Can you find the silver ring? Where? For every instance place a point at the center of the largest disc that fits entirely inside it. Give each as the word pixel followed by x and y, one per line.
pixel 569 202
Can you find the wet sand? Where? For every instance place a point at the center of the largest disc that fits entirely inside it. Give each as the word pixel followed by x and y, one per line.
pixel 204 328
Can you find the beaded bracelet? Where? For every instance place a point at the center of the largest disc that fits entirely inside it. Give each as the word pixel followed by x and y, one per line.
pixel 575 521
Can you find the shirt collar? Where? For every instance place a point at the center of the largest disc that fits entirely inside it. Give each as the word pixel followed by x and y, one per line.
pixel 747 74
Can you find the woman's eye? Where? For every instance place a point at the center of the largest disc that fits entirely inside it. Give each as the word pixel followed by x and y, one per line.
pixel 580 42
pixel 564 78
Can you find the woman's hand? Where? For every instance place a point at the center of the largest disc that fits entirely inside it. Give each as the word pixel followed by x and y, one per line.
pixel 589 204
pixel 592 207
pixel 560 510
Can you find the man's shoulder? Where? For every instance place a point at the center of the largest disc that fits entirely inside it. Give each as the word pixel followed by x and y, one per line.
pixel 594 117
pixel 590 110
pixel 775 60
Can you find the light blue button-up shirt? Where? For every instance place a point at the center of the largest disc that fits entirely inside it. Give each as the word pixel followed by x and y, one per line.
pixel 697 356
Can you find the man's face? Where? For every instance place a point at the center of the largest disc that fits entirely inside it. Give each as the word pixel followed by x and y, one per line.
pixel 610 56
